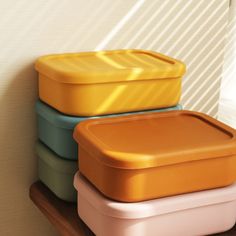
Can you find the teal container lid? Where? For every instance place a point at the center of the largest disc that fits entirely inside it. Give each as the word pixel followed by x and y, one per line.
pixel 55 117
pixel 69 122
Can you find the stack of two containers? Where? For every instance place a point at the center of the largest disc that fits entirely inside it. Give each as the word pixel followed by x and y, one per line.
pixel 133 168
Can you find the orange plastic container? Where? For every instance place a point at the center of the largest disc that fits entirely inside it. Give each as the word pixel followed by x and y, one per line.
pixel 107 82
pixel 141 157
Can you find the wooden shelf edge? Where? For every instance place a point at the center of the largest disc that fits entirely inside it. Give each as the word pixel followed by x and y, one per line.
pixel 61 214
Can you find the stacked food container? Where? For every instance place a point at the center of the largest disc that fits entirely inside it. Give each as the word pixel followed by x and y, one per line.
pixel 168 173
pixel 69 91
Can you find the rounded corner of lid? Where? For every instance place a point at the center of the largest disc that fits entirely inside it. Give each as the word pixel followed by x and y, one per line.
pixel 184 67
pixel 199 115
pixel 76 180
pixel 37 64
pixel 75 134
pixel 79 129
pixel 193 113
pixel 41 59
pixel 180 67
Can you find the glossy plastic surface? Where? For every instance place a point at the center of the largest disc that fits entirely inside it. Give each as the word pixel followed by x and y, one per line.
pixel 148 156
pixel 201 213
pixel 107 82
pixel 109 66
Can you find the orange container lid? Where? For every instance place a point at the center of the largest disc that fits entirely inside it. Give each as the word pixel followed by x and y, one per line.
pixel 155 139
pixel 109 66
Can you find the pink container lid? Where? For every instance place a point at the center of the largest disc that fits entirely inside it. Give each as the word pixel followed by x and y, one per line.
pixel 154 207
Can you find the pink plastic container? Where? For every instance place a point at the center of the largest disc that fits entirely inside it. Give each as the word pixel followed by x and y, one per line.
pixel 201 213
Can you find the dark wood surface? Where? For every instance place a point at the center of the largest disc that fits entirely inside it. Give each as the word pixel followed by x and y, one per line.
pixel 63 215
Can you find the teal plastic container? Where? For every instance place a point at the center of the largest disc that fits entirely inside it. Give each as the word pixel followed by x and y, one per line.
pixel 56 129
pixel 56 173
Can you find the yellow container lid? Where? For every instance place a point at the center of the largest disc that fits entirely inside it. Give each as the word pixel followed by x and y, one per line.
pixel 109 66
pixel 156 139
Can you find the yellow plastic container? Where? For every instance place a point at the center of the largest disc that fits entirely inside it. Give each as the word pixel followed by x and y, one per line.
pixel 141 157
pixel 106 82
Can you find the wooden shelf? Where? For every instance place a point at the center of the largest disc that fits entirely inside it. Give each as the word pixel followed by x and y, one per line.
pixel 63 215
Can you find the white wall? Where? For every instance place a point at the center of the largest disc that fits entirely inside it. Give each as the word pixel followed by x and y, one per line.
pixel 227 108
pixel 192 30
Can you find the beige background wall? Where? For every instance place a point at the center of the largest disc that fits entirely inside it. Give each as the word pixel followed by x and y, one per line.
pixel 192 30
pixel 227 105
